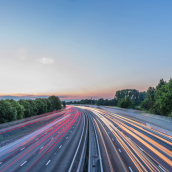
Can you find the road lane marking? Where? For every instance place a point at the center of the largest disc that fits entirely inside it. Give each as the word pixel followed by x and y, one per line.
pixel 141 149
pixel 48 162
pixel 66 137
pixel 161 168
pixel 130 169
pixel 112 139
pixel 52 138
pixel 22 148
pixel 0 162
pixel 23 163
pixel 41 147
pixel 119 150
pixel 60 146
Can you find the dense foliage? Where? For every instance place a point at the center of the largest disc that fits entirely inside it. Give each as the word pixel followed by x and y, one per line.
pixel 159 100
pixel 156 100
pixel 84 101
pixel 106 102
pixel 64 104
pixel 11 110
pixel 133 95
pixel 126 103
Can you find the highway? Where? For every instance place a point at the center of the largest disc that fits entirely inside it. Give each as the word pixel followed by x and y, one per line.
pixel 127 145
pixel 89 139
pixel 54 147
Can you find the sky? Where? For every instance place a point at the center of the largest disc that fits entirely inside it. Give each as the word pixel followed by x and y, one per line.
pixel 79 49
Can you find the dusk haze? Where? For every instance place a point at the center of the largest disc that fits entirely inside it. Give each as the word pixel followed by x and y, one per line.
pixel 82 49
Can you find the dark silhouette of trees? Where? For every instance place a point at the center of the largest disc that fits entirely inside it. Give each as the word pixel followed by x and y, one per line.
pixel 11 110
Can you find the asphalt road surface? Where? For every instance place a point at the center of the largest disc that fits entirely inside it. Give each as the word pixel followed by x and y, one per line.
pixel 87 139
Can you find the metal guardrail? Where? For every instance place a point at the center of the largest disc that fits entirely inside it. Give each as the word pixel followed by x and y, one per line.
pixel 97 142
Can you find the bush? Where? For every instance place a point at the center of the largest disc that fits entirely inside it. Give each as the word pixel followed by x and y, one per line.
pixel 126 103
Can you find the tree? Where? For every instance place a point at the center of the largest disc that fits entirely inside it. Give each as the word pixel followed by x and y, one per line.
pixel 7 112
pixel 11 110
pixel 33 107
pixel 142 96
pixel 133 94
pixel 56 103
pixel 20 109
pixel 64 104
pixel 163 99
pixel 113 102
pixel 27 107
pixel 40 104
pixel 160 84
pixel 49 105
pixel 126 103
pixel 100 101
pixel 148 103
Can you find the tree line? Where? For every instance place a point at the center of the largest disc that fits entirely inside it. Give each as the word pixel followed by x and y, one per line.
pixel 11 110
pixel 84 101
pixel 124 98
pixel 159 99
pixel 156 100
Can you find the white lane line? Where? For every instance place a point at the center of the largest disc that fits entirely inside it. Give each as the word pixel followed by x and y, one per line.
pixel 141 149
pixel 130 169
pixel 119 150
pixel 22 149
pixel 60 146
pixel 34 134
pixel 73 127
pixel 112 139
pixel 41 147
pixel 66 137
pixel 108 133
pixel 48 162
pixel 23 163
pixel 71 165
pixel 161 168
pixel 52 138
pixel 0 162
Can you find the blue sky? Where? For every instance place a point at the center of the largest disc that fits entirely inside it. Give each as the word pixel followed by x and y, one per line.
pixel 81 49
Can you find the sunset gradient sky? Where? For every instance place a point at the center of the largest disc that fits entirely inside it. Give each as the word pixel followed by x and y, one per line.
pixel 80 49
